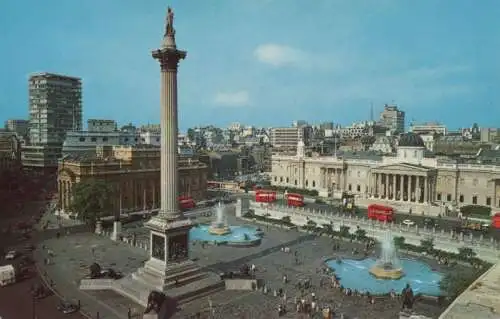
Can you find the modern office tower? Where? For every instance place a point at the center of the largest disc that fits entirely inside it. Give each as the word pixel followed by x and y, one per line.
pixel 393 119
pixel 55 107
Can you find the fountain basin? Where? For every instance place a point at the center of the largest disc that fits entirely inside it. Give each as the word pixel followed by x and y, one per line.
pixel 356 274
pixel 238 236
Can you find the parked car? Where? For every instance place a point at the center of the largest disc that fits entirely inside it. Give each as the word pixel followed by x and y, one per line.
pixel 408 222
pixel 11 255
pixel 67 308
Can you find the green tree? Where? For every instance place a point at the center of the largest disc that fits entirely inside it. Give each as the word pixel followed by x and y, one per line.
pixel 92 200
pixel 427 245
pixel 327 229
pixel 466 253
pixel 399 242
pixel 311 225
pixel 344 231
pixel 360 234
pixel 455 282
pixel 286 220
pixel 191 135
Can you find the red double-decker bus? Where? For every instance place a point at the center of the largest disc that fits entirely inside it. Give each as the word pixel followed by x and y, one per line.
pixel 495 221
pixel 262 196
pixel 214 185
pixel 381 213
pixel 186 203
pixel 295 200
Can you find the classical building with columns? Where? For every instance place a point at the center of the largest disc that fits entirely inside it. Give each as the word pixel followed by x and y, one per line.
pixel 410 178
pixel 134 174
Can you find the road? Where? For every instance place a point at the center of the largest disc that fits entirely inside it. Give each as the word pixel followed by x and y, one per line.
pixel 16 300
pixel 446 223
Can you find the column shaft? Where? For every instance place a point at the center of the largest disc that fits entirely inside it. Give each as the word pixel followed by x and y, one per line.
pixel 426 199
pixel 408 187
pixel 169 174
pixel 401 186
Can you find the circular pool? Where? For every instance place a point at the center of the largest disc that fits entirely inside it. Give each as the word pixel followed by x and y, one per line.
pixel 237 236
pixel 355 274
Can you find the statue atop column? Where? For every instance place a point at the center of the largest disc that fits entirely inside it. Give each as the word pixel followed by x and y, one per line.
pixel 169 29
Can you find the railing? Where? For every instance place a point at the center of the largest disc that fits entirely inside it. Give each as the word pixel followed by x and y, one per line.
pixel 324 216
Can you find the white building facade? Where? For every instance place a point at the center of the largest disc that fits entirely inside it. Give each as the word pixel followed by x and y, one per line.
pixel 409 179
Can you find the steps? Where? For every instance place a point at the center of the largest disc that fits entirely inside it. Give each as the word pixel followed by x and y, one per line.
pixel 184 282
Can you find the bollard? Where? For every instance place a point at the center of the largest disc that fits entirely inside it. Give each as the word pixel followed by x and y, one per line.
pixel 79 304
pixel 97 315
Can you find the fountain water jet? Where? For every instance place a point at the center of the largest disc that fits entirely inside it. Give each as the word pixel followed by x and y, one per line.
pixel 388 266
pixel 219 226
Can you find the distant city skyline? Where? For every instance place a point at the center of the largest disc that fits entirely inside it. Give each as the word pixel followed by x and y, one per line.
pixel 263 62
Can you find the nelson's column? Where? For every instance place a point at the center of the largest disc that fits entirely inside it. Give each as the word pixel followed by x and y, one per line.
pixel 169 268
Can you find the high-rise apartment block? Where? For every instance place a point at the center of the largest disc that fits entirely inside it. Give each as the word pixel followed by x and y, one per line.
pixel 393 119
pixel 288 137
pixel 55 107
pixel 20 127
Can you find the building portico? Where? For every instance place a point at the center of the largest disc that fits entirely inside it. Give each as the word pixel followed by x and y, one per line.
pixel 403 182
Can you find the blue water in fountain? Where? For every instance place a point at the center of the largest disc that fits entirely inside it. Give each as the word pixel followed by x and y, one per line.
pixel 239 234
pixel 355 274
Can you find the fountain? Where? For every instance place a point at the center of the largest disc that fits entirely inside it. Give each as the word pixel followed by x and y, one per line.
pixel 388 265
pixel 219 227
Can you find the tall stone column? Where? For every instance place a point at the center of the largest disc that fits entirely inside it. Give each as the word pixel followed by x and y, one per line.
pixel 426 195
pixel 394 181
pixel 386 186
pixel 169 58
pixel 408 187
pixel 401 187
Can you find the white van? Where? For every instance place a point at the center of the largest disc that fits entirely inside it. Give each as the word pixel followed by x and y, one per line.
pixel 7 275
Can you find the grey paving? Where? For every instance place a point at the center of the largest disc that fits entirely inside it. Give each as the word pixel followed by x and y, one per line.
pixel 73 254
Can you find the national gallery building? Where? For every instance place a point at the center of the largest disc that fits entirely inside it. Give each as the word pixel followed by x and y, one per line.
pixel 134 174
pixel 412 178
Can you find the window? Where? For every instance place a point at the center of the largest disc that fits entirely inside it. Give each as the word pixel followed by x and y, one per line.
pixel 350 187
pixel 358 188
pixel 93 139
pixel 275 178
pixel 126 139
pixel 414 153
pixel 295 182
pixel 82 139
pixel 281 179
pixel 314 183
pixel 157 139
pixel 307 182
pixel 474 200
pixel 461 199
pixel 104 139
pixel 438 196
pixel 448 197
pixel 488 201
pixel 287 180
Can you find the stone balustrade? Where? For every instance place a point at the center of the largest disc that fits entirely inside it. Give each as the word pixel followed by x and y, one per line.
pixel 445 240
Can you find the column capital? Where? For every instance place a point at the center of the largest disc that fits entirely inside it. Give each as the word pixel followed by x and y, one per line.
pixel 169 58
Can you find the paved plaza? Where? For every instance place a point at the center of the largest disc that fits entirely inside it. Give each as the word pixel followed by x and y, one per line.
pixel 73 253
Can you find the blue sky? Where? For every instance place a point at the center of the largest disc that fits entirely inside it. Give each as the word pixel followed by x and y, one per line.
pixel 264 62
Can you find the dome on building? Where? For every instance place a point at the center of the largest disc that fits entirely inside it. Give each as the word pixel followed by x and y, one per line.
pixel 411 140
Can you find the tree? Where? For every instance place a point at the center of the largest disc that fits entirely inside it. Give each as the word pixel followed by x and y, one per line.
pixel 466 253
pixel 455 282
pixel 91 200
pixel 427 245
pixel 327 229
pixel 344 231
pixel 286 220
pixel 191 134
pixel 399 242
pixel 311 225
pixel 360 234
